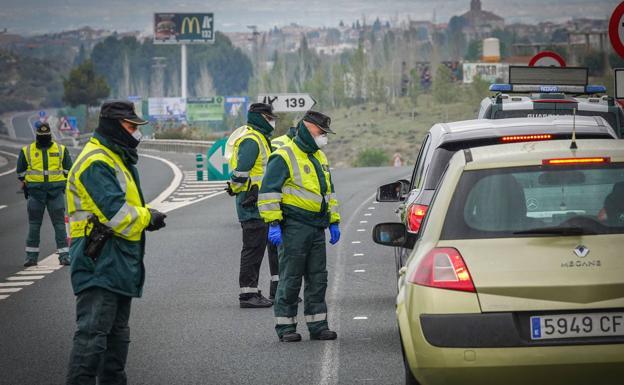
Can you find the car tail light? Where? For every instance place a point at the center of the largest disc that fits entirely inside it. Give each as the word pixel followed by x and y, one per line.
pixel 572 161
pixel 525 138
pixel 443 268
pixel 415 216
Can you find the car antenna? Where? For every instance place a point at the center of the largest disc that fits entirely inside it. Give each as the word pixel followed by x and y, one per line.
pixel 573 145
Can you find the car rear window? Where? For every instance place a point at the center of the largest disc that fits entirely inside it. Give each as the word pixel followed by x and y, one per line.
pixel 537 201
pixel 503 114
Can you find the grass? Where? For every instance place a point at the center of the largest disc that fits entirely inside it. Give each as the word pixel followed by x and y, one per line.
pixel 400 128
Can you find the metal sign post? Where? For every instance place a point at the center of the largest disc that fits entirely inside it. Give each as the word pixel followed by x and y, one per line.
pixel 184 71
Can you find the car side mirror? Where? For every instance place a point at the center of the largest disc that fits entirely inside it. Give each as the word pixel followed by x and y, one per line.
pixel 393 192
pixel 390 234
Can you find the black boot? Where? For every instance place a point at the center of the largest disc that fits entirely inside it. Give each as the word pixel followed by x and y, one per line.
pixel 290 337
pixel 273 290
pixel 254 300
pixel 324 335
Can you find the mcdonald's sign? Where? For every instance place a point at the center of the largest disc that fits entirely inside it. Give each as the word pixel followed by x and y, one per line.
pixel 183 28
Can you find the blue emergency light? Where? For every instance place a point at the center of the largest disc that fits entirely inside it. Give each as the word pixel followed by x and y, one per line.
pixel 593 89
pixel 501 87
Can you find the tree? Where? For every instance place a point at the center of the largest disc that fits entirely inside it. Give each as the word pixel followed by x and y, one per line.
pixel 84 86
pixel 443 89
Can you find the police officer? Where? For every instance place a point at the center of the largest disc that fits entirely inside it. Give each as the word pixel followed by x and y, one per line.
pixel 297 199
pixel 108 219
pixel 42 167
pixel 276 143
pixel 249 160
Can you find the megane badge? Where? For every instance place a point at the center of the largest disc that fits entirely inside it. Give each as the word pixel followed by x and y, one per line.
pixel 581 251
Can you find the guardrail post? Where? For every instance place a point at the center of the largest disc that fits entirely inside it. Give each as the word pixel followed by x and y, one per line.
pixel 200 166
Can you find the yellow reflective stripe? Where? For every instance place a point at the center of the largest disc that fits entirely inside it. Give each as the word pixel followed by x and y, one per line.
pixel 269 207
pixel 269 196
pixel 79 216
pixel 285 320
pixel 22 174
pixel 72 179
pixel 316 317
pixel 121 214
pixel 28 159
pixel 32 249
pixel 296 173
pixel 246 290
pixel 257 178
pixel 303 194
pixel 241 174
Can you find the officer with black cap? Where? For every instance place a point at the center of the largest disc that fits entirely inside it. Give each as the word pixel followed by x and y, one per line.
pixel 250 155
pixel 108 219
pixel 297 199
pixel 42 168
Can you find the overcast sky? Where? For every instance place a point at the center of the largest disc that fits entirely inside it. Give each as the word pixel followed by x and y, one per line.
pixel 42 16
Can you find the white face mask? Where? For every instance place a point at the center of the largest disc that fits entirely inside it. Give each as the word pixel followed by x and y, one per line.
pixel 321 140
pixel 272 123
pixel 137 135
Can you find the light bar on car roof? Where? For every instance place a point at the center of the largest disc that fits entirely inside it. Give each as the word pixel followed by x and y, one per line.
pixel 548 89
pixel 573 161
pixel 556 76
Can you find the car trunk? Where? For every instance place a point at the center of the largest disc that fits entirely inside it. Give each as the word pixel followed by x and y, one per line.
pixel 544 273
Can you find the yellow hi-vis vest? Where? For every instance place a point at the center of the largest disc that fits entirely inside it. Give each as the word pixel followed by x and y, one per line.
pixel 35 172
pixel 280 141
pixel 302 188
pixel 130 220
pixel 257 171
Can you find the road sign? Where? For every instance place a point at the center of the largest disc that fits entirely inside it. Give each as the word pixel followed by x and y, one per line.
pixel 183 28
pixel 64 126
pixel 288 102
pixel 616 29
pixel 218 167
pixel 547 59
pixel 205 109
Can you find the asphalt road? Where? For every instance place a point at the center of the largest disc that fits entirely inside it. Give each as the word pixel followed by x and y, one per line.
pixel 188 328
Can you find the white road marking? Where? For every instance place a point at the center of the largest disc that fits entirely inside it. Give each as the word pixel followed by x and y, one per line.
pixel 177 178
pixel 330 360
pixel 25 278
pixel 16 283
pixel 363 221
pixel 3 297
pixel 359 271
pixel 11 171
pixel 371 208
pixel 35 272
pixel 360 230
pixel 367 214
pixel 358 254
pixel 197 193
pixel 360 317
pixel 10 290
pixel 356 242
pixel 2 206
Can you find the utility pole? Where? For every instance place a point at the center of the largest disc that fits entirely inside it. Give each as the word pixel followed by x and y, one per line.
pixel 255 53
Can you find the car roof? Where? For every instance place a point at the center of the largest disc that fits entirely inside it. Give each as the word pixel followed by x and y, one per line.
pixel 533 153
pixel 561 124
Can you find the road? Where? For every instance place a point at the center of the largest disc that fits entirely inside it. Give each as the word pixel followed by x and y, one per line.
pixel 188 328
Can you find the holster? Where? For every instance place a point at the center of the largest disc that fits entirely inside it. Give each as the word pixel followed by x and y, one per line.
pixel 97 238
pixel 251 199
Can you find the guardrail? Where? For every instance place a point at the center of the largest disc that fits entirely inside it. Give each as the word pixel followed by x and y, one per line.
pixel 177 145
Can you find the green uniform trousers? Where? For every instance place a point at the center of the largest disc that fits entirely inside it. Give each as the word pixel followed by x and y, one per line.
pixel 301 255
pixel 55 203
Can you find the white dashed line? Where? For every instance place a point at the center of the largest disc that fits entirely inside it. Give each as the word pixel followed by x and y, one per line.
pixel 372 208
pixel 356 242
pixel 3 207
pixel 358 255
pixel 360 317
pixel 360 230
pixel 34 272
pixel 26 278
pixel 3 297
pixel 18 283
pixel 363 221
pixel 367 214
pixel 10 290
pixel 359 271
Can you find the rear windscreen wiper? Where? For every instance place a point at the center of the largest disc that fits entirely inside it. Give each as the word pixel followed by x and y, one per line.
pixel 573 230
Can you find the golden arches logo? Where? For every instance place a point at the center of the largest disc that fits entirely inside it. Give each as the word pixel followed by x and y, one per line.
pixel 190 25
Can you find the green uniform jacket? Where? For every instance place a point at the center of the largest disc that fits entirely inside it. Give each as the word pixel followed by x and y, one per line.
pixel 40 191
pixel 277 173
pixel 120 266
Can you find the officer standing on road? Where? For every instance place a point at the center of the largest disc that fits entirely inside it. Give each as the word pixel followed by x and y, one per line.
pixel 297 199
pixel 42 167
pixel 108 219
pixel 285 139
pixel 250 156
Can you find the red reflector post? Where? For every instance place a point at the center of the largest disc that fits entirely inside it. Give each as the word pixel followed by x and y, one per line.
pixel 415 216
pixel 525 138
pixel 443 268
pixel 573 161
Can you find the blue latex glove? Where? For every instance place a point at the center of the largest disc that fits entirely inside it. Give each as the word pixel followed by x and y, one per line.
pixel 334 232
pixel 275 235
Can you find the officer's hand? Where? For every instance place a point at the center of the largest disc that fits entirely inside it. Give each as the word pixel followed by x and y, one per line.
pixel 157 221
pixel 334 232
pixel 229 190
pixel 275 234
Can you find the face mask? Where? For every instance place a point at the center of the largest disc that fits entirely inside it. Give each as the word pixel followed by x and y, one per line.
pixel 272 123
pixel 137 135
pixel 44 140
pixel 321 140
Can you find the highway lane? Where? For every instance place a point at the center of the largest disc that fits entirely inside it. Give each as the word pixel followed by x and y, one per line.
pixel 188 328
pixel 22 124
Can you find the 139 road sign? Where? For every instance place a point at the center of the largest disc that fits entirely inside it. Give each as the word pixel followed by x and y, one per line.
pixel 288 102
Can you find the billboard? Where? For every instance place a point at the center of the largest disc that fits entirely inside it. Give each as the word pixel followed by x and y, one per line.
pixel 236 105
pixel 183 28
pixel 490 72
pixel 166 108
pixel 206 109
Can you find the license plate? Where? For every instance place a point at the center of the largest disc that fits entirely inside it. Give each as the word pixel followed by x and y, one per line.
pixel 577 325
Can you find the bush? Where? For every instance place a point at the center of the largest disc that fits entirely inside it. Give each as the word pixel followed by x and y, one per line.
pixel 372 157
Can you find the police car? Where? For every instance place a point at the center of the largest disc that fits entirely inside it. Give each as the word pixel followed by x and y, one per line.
pixel 534 92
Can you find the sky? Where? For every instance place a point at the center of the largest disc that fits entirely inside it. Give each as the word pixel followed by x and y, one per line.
pixel 29 17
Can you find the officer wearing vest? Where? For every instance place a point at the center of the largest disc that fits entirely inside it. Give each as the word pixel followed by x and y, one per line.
pixel 108 220
pixel 249 160
pixel 297 199
pixel 276 143
pixel 42 167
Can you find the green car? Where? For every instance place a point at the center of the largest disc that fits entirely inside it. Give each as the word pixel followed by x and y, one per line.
pixel 517 276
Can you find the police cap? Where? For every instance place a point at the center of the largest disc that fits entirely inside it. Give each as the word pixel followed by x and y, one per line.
pixel 321 120
pixel 43 128
pixel 121 110
pixel 262 108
